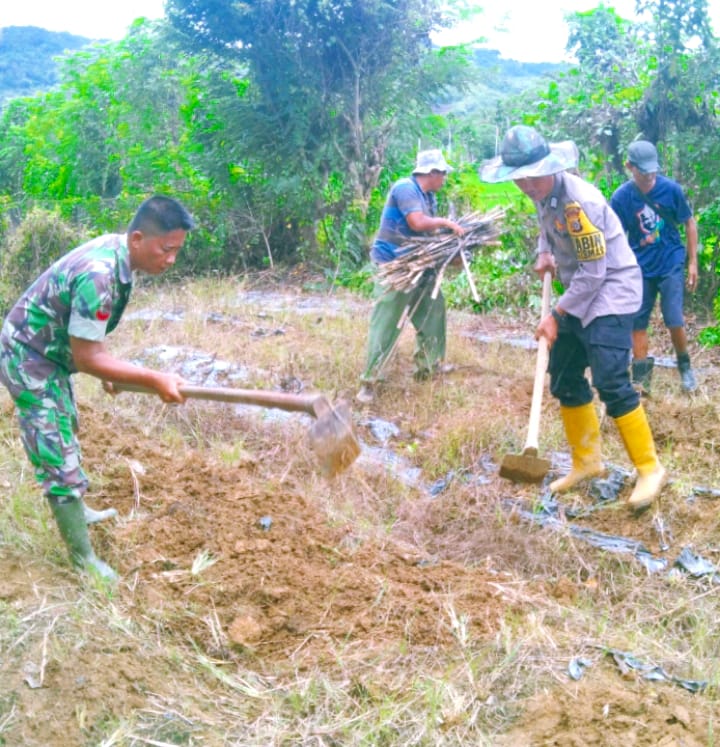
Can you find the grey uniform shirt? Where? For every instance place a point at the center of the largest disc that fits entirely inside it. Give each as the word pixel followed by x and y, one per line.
pixel 595 263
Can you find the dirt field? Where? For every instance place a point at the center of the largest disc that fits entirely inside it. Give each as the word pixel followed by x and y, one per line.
pixel 243 551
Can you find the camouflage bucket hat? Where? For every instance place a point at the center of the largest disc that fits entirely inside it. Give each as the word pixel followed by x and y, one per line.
pixel 525 153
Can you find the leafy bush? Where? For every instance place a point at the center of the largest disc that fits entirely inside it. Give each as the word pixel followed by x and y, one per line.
pixel 41 238
pixel 360 280
pixel 501 273
pixel 710 336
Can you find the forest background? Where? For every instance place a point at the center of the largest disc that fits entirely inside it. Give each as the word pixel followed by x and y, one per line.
pixel 281 127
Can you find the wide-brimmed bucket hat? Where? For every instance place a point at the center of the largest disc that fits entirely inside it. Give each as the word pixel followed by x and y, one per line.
pixel 525 153
pixel 431 160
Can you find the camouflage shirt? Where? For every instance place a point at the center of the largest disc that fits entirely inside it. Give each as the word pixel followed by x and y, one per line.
pixel 81 295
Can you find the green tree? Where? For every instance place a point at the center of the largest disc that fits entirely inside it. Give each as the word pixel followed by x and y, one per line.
pixel 681 45
pixel 330 84
pixel 114 130
pixel 594 103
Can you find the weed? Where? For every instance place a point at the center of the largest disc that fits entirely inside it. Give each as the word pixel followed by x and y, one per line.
pixel 469 613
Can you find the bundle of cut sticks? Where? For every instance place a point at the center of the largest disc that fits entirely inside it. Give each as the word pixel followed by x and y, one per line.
pixel 423 253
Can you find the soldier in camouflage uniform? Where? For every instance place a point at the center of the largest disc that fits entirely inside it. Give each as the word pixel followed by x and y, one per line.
pixel 57 328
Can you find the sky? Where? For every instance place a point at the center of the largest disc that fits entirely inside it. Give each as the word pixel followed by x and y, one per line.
pixel 521 29
pixel 536 31
pixel 95 19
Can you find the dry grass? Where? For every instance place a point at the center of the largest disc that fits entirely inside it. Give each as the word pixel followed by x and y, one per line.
pixel 561 598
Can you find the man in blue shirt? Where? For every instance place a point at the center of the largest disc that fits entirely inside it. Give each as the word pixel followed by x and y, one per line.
pixel 652 208
pixel 410 210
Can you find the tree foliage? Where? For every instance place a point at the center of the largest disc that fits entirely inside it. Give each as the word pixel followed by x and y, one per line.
pixel 282 125
pixel 656 79
pixel 329 84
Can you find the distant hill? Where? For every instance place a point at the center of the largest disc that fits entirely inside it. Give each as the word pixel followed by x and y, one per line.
pixel 502 76
pixel 27 64
pixel 499 78
pixel 490 60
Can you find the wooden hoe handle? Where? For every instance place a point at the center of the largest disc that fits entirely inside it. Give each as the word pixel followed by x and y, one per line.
pixel 543 353
pixel 313 404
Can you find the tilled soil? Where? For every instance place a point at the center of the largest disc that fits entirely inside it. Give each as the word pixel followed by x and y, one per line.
pixel 239 556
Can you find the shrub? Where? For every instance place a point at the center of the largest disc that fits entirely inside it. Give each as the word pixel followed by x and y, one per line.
pixel 40 239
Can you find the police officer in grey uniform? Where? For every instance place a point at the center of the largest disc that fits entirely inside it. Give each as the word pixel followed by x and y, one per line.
pixel 582 242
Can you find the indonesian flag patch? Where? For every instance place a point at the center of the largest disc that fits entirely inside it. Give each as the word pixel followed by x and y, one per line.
pixel 102 315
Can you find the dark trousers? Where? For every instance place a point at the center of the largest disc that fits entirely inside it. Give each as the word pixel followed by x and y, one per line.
pixel 604 346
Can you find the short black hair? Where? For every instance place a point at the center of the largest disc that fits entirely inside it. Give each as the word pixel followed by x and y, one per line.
pixel 159 215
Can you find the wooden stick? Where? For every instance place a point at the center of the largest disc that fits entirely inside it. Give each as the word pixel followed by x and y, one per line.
pixel 402 322
pixel 471 282
pixel 440 273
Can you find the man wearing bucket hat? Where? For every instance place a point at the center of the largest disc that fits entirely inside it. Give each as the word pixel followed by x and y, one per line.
pixel 652 208
pixel 410 210
pixel 582 240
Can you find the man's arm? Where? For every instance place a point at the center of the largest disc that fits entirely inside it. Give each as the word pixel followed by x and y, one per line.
pixel 550 324
pixel 92 358
pixel 421 223
pixel 691 237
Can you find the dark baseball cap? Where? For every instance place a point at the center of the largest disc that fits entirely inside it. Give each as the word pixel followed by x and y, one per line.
pixel 643 155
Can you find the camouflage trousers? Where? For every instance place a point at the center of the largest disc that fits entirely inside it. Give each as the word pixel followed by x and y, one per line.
pixel 46 411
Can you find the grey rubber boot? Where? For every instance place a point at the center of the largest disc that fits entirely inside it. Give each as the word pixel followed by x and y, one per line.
pixel 366 394
pixel 687 375
pixel 642 369
pixel 93 517
pixel 70 520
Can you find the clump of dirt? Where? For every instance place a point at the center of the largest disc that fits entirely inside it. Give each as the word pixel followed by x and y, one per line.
pixel 45 702
pixel 240 556
pixel 282 584
pixel 605 710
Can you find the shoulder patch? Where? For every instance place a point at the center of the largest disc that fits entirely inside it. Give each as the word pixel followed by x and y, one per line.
pixel 589 241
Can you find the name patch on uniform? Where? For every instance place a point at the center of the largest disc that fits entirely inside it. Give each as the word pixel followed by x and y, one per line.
pixel 589 241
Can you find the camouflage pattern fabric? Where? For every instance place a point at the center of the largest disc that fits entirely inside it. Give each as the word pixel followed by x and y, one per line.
pixel 48 428
pixel 82 295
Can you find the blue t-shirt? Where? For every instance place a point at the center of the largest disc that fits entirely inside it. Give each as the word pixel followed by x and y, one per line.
pixel 405 197
pixel 655 240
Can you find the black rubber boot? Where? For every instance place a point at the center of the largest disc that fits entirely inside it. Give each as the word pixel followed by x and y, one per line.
pixel 70 520
pixel 687 375
pixel 642 369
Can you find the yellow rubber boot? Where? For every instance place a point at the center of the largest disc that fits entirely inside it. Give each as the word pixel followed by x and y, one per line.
pixel 582 430
pixel 640 446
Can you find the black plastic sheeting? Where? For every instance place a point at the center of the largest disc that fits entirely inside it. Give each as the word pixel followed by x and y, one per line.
pixel 549 513
pixel 627 662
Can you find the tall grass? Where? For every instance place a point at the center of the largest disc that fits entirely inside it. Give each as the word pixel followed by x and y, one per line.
pixel 560 598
